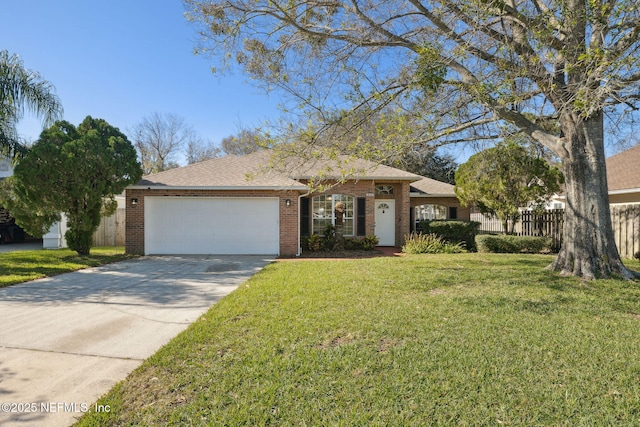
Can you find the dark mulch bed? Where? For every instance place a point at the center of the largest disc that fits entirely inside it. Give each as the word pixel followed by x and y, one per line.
pixel 341 254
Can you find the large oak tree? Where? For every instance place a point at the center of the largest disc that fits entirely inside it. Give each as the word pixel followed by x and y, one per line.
pixel 474 68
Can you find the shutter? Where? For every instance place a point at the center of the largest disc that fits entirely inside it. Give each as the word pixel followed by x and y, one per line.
pixel 412 219
pixel 453 212
pixel 304 216
pixel 361 228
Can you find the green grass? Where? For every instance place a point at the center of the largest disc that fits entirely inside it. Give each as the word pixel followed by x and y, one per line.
pixel 450 340
pixel 22 266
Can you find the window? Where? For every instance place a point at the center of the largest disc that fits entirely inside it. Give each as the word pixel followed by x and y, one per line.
pixel 323 208
pixel 429 212
pixel 384 189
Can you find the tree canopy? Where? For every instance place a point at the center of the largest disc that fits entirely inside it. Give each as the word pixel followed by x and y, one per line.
pixel 160 138
pixel 505 178
pixel 246 141
pixel 72 170
pixel 471 69
pixel 20 88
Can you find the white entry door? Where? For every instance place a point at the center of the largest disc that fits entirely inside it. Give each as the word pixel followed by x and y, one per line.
pixel 385 222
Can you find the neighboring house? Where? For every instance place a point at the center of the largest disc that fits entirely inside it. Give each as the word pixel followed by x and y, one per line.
pixel 234 205
pixel 55 237
pixel 623 176
pixel 623 179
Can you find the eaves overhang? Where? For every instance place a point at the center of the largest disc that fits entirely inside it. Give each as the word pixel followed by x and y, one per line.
pixel 418 194
pixel 220 187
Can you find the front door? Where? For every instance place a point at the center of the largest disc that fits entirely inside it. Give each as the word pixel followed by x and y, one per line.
pixel 385 222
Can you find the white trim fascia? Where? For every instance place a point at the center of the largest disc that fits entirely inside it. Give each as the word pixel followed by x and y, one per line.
pixel 612 192
pixel 416 194
pixel 220 187
pixel 361 178
pixel 625 191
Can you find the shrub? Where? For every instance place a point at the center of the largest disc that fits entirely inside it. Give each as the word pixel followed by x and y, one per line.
pixel 369 242
pixel 366 243
pixel 312 243
pixel 454 231
pixel 637 255
pixel 512 244
pixel 317 243
pixel 415 243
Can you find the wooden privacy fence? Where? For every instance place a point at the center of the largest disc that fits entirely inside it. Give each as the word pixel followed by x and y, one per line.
pixel 548 224
pixel 626 229
pixel 111 231
pixel 624 218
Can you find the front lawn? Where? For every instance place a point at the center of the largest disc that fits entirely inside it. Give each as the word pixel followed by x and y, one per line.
pixel 451 340
pixel 22 266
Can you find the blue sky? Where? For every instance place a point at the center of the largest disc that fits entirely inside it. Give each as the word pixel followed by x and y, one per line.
pixel 121 60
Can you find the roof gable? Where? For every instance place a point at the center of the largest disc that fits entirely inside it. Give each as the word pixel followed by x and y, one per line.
pixel 432 187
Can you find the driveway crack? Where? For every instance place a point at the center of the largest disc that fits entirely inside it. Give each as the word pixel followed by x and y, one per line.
pixel 72 353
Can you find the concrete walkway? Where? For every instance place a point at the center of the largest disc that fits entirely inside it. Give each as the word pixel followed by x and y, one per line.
pixel 66 340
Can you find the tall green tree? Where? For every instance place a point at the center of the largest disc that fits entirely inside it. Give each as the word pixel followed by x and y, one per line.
pixel 72 170
pixel 505 178
pixel 20 88
pixel 473 68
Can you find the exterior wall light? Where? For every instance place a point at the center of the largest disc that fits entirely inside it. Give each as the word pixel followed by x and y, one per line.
pixel 287 202
pixel 134 202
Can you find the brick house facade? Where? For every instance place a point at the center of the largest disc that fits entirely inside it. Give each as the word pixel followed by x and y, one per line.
pixel 235 177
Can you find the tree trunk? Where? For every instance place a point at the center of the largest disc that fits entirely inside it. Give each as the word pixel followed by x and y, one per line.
pixel 588 248
pixel 512 227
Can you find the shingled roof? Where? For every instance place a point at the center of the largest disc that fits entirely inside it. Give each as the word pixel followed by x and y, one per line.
pixel 623 170
pixel 233 172
pixel 252 171
pixel 432 187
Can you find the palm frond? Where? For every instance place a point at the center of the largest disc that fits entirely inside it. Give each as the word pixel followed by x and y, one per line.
pixel 21 88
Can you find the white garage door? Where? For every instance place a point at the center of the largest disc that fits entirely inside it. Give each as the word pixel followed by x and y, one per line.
pixel 211 225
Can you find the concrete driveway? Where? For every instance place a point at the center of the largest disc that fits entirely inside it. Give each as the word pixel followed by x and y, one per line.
pixel 23 246
pixel 66 340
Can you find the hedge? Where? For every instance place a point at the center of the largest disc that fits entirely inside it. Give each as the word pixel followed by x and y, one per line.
pixel 453 231
pixel 512 244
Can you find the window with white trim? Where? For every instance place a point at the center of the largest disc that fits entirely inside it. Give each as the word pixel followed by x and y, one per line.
pixel 384 189
pixel 429 212
pixel 323 213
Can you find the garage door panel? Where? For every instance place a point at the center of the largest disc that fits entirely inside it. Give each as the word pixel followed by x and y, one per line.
pixel 199 225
